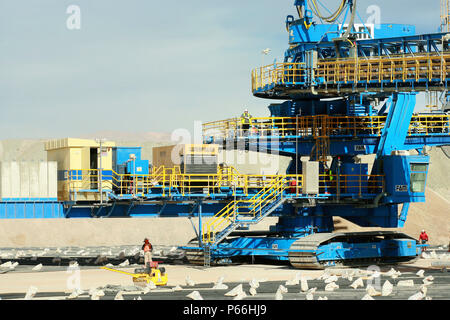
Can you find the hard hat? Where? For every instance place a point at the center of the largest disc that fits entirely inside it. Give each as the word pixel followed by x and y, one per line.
pixel 423 230
pixel 246 110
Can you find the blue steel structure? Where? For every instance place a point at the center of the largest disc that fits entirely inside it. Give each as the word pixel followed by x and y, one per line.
pixel 330 113
pixel 303 234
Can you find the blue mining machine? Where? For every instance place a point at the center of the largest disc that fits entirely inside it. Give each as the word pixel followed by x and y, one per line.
pixel 348 92
pixel 344 94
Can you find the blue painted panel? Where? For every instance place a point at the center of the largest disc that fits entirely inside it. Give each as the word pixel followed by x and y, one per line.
pixel 31 210
pixel 398 178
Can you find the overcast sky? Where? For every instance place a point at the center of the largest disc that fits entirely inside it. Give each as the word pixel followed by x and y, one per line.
pixel 145 65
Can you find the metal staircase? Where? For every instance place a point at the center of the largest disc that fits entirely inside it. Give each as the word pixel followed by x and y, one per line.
pixel 239 213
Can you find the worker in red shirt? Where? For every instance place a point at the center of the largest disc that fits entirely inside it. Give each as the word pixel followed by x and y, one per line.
pixel 423 238
pixel 148 248
pixel 293 186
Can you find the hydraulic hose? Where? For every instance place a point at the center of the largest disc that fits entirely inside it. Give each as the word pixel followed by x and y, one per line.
pixel 333 17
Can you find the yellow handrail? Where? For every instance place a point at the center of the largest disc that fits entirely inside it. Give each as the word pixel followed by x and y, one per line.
pixel 256 204
pixel 310 126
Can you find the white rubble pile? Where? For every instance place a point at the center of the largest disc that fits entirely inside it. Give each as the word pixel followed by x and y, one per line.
pixel 357 283
pixel 32 290
pixel 372 292
pixel 331 279
pixel 189 281
pixel 405 283
pixel 387 289
pixel 331 286
pixel 124 264
pixel 235 291
pixel 37 267
pixel 119 296
pixel 75 294
pixel 195 295
pixel 96 294
pixel 219 285
pixel 304 284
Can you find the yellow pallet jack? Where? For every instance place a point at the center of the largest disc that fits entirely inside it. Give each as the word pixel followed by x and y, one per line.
pixel 141 278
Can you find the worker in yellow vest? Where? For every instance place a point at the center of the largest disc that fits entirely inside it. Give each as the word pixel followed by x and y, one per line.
pixel 246 120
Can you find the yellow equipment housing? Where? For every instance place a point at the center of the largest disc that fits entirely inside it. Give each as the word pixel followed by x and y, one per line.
pixel 142 279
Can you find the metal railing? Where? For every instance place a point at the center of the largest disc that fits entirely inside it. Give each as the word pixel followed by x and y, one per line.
pixel 405 67
pixel 253 209
pixel 278 73
pixel 315 126
pixel 169 182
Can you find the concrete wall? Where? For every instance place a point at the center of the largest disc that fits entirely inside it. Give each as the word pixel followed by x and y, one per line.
pixel 28 180
pixel 100 232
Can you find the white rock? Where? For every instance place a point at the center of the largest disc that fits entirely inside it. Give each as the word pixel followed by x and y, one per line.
pixel 97 294
pixel 424 290
pixel 109 265
pixel 240 296
pixel 323 298
pixel 190 282
pixel 367 297
pixel 429 278
pixel 433 255
pixel 390 272
pixel 304 284
pixel 427 283
pixel 195 295
pixel 6 265
pixel 331 286
pixel 312 290
pixel 292 282
pixel 282 289
pixel 14 265
pixel 235 291
pixel 75 294
pixel 428 298
pixel 119 296
pixel 254 283
pixel 125 263
pixel 309 296
pixel 278 295
pixel 405 283
pixel 331 279
pixel 372 292
pixel 173 249
pixel 177 288
pixel 253 291
pixel 220 280
pixel 357 283
pixel 417 296
pixel 387 288
pixel 151 285
pixel 420 273
pixel 80 252
pixel 220 286
pixel 32 290
pixel 37 267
